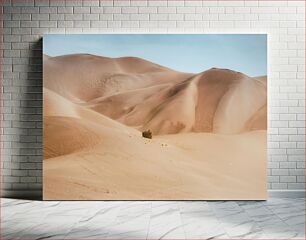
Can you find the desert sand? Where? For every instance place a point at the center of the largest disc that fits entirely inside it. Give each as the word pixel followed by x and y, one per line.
pixel 209 131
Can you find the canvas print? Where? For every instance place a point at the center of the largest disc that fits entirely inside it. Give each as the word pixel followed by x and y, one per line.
pixel 154 116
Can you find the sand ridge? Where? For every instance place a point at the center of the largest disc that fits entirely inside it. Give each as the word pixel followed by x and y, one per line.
pixel 216 100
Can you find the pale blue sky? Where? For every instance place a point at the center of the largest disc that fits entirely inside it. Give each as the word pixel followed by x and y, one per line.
pixel 194 53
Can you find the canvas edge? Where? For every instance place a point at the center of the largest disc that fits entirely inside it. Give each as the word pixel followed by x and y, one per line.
pixel 37 194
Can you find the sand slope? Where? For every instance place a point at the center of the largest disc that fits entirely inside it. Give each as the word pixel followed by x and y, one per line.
pixel 84 77
pixel 186 166
pixel 209 131
pixel 144 95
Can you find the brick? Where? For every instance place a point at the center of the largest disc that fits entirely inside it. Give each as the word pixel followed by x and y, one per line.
pixel 121 3
pixel 20 46
pixel 11 53
pixel 6 172
pixel 185 24
pixel 81 24
pixel 40 16
pixel 161 17
pixel 129 10
pixel 106 17
pixel 139 3
pixel 196 3
pixel 75 16
pixel 98 24
pixel 63 10
pixel 300 145
pixel 29 24
pixel 65 24
pixel 111 10
pixel 202 10
pixel 279 186
pixel 186 9
pixel 296 172
pixel 11 10
pixel 210 17
pixel 230 3
pixel 148 24
pixel 264 10
pixel 29 10
pixel 280 172
pixel 300 179
pixel 242 10
pixel 11 179
pixel 96 10
pixel 21 31
pixel 74 3
pixel 242 24
pixel 130 24
pixel 287 131
pixel 21 16
pixel 91 16
pixel 42 3
pixel 147 9
pixel 288 116
pixel 28 179
pixel 191 17
pixel 140 17
pixel 221 24
pixel 166 9
pixel 298 157
pixel 56 30
pixel 39 31
pixel 167 24
pixel 19 173
pixel 288 179
pixel 273 179
pixel 11 24
pixel 48 10
pixel 229 17
pixel 81 9
pixel 60 3
pixel 91 3
pixel 26 3
pixel 290 10
pixel 36 173
pixel 273 165
pixel 217 9
pixel 287 165
pixel 20 186
pixel 57 17
pixel 157 3
pixel 296 186
pixel 296 124
pixel 47 23
pixel 176 17
pixel 121 17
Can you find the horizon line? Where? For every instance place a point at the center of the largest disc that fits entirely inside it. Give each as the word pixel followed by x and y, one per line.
pixel 70 54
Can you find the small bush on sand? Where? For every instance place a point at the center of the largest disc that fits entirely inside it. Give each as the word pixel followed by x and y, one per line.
pixel 147 134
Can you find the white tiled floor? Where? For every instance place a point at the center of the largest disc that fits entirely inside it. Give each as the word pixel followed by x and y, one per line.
pixel 273 219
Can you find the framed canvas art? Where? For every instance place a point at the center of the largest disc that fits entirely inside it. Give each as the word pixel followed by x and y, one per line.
pixel 154 117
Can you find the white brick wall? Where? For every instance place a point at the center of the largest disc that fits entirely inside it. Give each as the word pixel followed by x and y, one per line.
pixel 24 22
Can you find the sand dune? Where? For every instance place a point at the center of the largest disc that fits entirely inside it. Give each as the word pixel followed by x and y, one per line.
pixel 55 105
pixel 209 131
pixel 262 79
pixel 216 100
pixel 114 165
pixel 84 77
pixel 144 95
